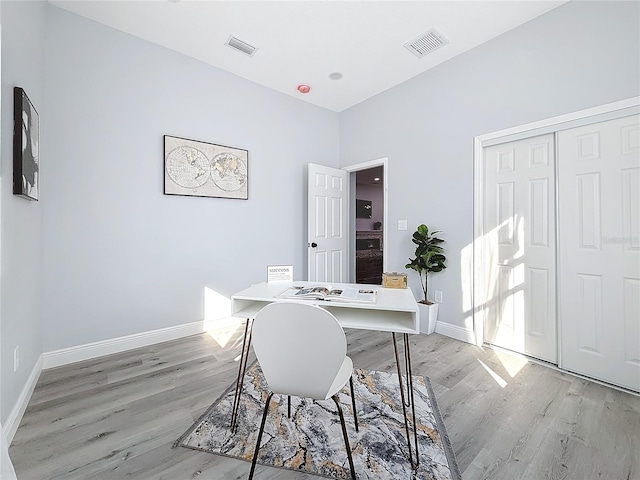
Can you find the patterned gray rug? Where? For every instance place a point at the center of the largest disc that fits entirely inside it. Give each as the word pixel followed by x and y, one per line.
pixel 311 441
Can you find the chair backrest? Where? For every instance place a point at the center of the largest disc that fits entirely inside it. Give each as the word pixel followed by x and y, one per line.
pixel 300 348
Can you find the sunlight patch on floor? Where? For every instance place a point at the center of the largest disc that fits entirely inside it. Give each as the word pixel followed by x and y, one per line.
pixel 498 379
pixel 222 335
pixel 512 362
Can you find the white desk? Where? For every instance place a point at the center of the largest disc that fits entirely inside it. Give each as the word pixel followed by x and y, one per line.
pixel 395 311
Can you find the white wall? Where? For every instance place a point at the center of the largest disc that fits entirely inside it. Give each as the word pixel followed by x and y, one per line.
pixel 579 55
pixel 21 219
pixel 104 254
pixel 119 257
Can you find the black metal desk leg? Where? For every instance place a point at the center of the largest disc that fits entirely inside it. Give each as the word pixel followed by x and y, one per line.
pixel 235 395
pixel 402 399
pixel 242 368
pixel 413 403
pixel 406 369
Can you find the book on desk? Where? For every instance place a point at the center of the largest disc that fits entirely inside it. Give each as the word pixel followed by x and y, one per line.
pixel 328 294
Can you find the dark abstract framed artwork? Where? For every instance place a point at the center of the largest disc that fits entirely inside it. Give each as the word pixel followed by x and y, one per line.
pixel 26 146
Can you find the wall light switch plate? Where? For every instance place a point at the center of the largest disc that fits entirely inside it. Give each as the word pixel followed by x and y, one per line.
pixel 402 224
pixel 438 296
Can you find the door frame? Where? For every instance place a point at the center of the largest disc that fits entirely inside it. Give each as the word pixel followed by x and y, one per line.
pixel 378 162
pixel 622 108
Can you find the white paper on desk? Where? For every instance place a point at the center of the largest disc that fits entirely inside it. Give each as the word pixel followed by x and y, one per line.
pixel 279 273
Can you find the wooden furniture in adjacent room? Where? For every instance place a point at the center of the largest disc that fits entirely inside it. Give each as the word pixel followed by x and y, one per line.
pixel 369 252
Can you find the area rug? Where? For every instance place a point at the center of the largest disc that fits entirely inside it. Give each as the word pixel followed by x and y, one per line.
pixel 311 440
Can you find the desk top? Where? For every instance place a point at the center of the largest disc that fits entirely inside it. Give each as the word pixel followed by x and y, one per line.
pixel 395 310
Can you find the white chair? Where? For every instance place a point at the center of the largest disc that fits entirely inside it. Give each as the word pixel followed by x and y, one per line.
pixel 302 351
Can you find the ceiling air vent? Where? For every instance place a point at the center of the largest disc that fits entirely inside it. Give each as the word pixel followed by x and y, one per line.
pixel 241 46
pixel 426 43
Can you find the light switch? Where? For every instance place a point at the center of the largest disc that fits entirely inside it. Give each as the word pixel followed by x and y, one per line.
pixel 402 224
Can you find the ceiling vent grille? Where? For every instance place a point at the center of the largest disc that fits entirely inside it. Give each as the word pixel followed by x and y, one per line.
pixel 241 46
pixel 426 43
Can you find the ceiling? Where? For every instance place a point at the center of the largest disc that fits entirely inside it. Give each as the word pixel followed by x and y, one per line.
pixel 303 42
pixel 369 176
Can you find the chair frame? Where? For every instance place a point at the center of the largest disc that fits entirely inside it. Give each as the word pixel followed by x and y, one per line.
pixel 342 424
pixel 316 390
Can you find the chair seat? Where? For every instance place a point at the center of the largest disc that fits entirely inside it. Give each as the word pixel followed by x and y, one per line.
pixel 346 369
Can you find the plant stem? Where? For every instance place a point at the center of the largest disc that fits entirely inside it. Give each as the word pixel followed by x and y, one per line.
pixel 426 279
pixel 423 284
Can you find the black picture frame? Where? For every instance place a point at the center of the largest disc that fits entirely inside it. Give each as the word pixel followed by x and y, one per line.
pixel 26 146
pixel 202 169
pixel 363 208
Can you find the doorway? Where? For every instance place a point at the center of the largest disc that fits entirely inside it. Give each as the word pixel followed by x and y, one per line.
pixel 369 244
pixel 331 220
pixel 369 184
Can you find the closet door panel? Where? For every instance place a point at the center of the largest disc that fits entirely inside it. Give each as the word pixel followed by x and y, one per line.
pixel 599 250
pixel 520 246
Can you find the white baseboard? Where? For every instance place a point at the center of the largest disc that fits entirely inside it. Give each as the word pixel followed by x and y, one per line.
pixel 79 353
pixel 454 331
pixel 227 322
pixel 15 416
pixel 88 351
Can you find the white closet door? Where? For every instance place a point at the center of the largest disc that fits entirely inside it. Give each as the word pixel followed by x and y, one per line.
pixel 599 233
pixel 520 247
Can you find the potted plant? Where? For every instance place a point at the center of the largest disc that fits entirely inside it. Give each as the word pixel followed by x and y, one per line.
pixel 429 258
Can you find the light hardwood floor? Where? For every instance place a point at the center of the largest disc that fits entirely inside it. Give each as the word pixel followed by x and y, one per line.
pixel 117 417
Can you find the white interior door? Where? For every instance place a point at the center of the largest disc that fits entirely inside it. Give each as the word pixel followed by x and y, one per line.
pixel 599 218
pixel 519 244
pixel 328 240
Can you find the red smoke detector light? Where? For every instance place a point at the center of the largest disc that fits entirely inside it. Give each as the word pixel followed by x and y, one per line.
pixel 304 88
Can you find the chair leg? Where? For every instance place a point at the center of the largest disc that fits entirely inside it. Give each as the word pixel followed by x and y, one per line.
pixel 346 438
pixel 264 418
pixel 353 402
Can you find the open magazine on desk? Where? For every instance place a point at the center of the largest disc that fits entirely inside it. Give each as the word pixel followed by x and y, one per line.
pixel 330 294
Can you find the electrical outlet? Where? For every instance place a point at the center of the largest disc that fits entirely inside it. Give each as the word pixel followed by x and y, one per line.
pixel 438 296
pixel 16 358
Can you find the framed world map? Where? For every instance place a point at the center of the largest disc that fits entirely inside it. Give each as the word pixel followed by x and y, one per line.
pixel 202 169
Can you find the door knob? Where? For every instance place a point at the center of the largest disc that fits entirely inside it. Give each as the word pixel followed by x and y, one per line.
pixel 314 244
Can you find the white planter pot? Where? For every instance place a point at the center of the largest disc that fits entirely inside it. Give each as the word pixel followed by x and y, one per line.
pixel 428 317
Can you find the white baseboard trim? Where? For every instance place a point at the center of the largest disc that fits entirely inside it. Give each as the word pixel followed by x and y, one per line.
pixel 454 331
pixel 15 416
pixel 88 351
pixel 228 322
